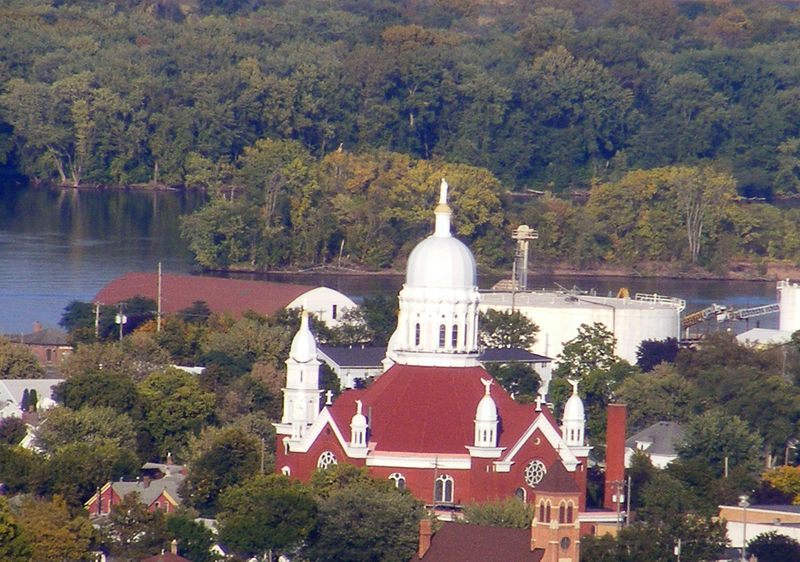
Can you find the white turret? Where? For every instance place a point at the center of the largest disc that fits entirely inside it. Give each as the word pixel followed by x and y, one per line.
pixel 574 419
pixel 486 419
pixel 302 393
pixel 438 320
pixel 358 428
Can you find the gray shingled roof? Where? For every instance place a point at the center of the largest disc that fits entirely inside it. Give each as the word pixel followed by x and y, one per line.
pixel 149 493
pixel 355 356
pixel 365 357
pixel 509 354
pixel 664 436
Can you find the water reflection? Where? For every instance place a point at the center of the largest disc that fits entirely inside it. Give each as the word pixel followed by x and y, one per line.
pixel 62 245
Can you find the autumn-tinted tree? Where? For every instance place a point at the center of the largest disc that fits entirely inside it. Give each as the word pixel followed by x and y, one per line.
pixel 53 533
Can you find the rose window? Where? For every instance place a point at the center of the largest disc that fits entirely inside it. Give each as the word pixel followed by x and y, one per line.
pixel 534 472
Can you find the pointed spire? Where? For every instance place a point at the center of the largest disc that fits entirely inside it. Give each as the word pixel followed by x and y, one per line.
pixel 487 383
pixel 304 347
pixel 442 212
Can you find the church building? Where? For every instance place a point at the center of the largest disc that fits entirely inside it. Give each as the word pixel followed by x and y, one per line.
pixel 435 422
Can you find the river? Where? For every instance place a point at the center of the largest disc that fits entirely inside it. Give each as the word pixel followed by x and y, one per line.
pixel 60 245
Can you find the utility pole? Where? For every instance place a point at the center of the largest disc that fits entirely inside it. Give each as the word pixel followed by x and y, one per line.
pixel 158 312
pixel 628 504
pixel 97 320
pixel 121 318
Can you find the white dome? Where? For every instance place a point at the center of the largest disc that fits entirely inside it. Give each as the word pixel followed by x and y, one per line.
pixel 487 410
pixel 304 347
pixel 573 409
pixel 441 262
pixel 358 421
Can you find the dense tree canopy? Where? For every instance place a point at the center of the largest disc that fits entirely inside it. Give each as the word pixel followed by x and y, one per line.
pixel 317 129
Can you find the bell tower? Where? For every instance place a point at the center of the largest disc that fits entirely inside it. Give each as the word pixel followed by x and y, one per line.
pixel 555 526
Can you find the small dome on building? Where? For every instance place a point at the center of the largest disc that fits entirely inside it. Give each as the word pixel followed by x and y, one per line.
pixel 487 409
pixel 573 409
pixel 304 347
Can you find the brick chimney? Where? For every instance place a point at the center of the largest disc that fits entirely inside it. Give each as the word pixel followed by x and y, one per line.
pixel 146 481
pixel 37 327
pixel 425 532
pixel 615 457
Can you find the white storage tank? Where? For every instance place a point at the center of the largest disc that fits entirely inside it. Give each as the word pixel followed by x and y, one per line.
pixel 789 298
pixel 559 315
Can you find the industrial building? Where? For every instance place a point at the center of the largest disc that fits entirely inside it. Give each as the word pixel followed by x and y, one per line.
pixel 560 314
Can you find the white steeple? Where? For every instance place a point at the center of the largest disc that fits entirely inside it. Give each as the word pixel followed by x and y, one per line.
pixel 486 419
pixel 573 421
pixel 358 428
pixel 438 320
pixel 302 393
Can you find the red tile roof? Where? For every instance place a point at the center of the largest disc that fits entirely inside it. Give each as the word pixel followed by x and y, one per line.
pixel 178 292
pixel 461 542
pixel 430 409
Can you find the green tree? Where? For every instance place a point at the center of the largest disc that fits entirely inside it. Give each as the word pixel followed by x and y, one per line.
pixel 174 406
pixel 592 349
pixel 194 539
pixel 353 513
pixel 76 470
pixel 101 388
pixel 510 513
pixel 266 515
pixel 220 458
pixel 506 328
pixel 20 469
pixel 518 379
pixel 87 425
pixel 714 436
pixel 652 353
pixel 773 547
pixel 14 545
pixel 660 395
pixel 17 362
pixel 131 531
pixel 12 430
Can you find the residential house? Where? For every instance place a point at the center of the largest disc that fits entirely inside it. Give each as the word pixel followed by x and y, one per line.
pixel 659 441
pixel 157 493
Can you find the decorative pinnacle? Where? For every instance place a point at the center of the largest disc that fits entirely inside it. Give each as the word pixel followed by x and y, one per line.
pixel 574 383
pixel 442 212
pixel 487 383
pixel 358 406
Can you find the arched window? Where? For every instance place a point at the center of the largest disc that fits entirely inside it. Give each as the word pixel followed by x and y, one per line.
pixel 286 471
pixel 541 512
pixel 416 334
pixel 49 355
pixel 454 339
pixel 326 460
pixel 569 513
pixel 562 513
pixel 399 480
pixel 521 494
pixel 442 335
pixel 443 490
pixel 547 514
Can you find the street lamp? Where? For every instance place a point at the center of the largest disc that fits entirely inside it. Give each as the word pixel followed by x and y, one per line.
pixel 744 504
